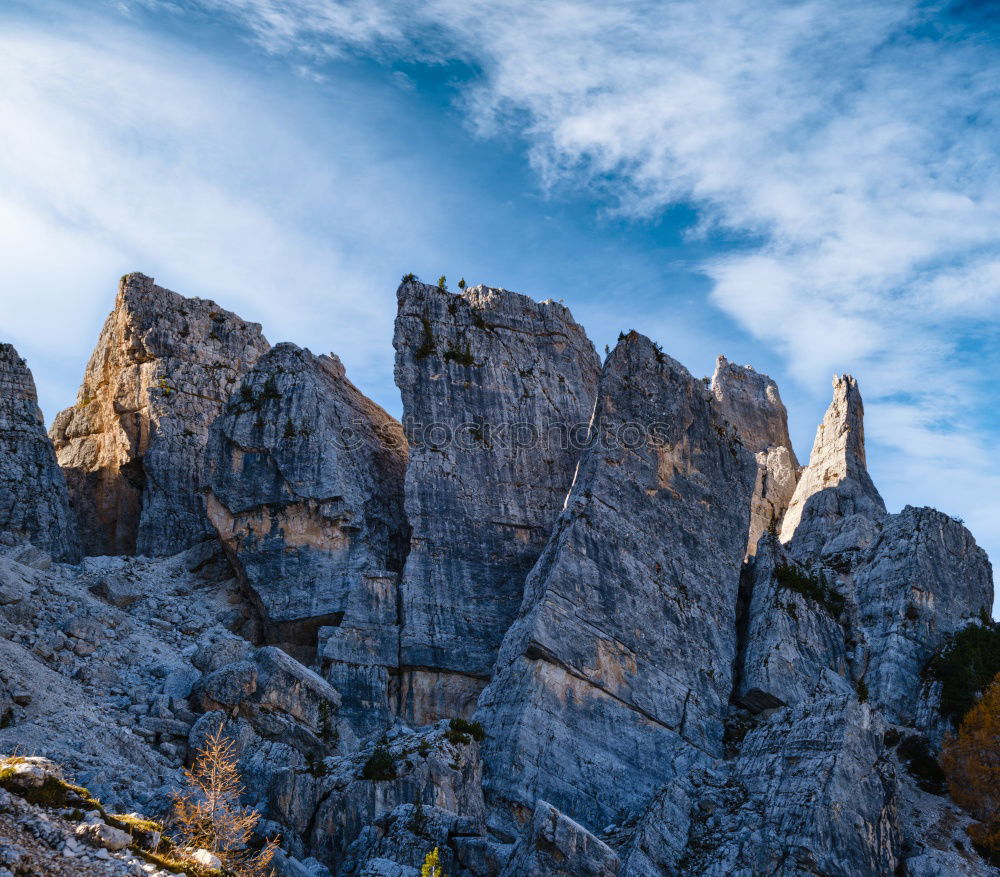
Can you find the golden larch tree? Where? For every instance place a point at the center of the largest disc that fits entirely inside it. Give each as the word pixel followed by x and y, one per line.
pixel 971 761
pixel 207 813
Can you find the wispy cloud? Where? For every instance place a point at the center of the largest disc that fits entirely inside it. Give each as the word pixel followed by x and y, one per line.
pixel 849 146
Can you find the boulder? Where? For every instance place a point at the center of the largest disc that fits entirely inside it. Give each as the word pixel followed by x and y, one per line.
pixel 553 845
pixel 497 392
pixel 133 445
pixel 34 503
pixel 617 672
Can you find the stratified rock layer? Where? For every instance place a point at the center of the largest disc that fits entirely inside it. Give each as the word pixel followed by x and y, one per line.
pixel 835 485
pixel 751 403
pixel 616 674
pixel 33 501
pixel 306 493
pixel 133 445
pixel 493 385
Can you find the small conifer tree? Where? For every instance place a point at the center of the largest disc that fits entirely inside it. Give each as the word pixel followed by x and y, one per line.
pixel 442 282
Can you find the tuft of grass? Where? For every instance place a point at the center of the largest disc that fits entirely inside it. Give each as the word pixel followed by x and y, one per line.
pixel 460 355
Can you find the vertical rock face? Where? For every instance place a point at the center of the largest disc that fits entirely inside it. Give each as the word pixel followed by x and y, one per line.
pixel 33 499
pixel 752 404
pixel 132 447
pixel 615 676
pixel 835 485
pixel 493 384
pixel 306 493
pixel 794 645
pixel 923 579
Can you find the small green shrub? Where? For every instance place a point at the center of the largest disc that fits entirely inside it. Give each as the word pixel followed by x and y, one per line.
pixel 315 765
pixel 862 688
pixel 289 428
pixel 442 282
pixel 461 283
pixel 327 733
pixel 965 666
pixel 426 347
pixel 462 732
pixel 463 356
pixel 409 278
pixel 813 587
pixel 380 766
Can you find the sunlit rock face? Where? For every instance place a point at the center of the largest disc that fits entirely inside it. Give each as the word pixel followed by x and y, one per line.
pixel 751 403
pixel 133 446
pixel 497 391
pixel 34 504
pixel 836 484
pixel 615 677
pixel 306 493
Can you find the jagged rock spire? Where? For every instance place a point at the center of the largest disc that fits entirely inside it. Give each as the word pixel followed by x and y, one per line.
pixel 497 390
pixel 132 446
pixel 33 501
pixel 618 669
pixel 836 483
pixel 751 403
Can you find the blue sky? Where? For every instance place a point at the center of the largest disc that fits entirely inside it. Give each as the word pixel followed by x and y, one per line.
pixel 810 187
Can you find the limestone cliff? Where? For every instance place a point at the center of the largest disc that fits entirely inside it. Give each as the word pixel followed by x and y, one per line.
pixel 132 447
pixel 616 674
pixel 497 390
pixel 306 493
pixel 751 403
pixel 34 504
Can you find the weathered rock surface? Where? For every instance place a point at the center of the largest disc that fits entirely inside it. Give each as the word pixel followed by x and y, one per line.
pixel 132 447
pixel 794 644
pixel 751 403
pixel 34 504
pixel 616 674
pixel 813 791
pixel 922 579
pixel 553 845
pixel 327 810
pixel 836 484
pixel 306 493
pixel 493 384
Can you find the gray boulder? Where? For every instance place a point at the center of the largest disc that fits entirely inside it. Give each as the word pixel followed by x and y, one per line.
pixel 132 447
pixel 616 674
pixel 34 503
pixel 493 385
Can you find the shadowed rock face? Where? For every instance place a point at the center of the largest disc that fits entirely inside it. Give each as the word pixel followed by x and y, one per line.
pixel 615 676
pixel 306 493
pixel 33 501
pixel 752 404
pixel 835 485
pixel 132 447
pixel 491 383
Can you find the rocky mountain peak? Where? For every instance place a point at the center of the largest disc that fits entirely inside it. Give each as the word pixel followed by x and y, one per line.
pixel 836 484
pixel 132 447
pixel 33 501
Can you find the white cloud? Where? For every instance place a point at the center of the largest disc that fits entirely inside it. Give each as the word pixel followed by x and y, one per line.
pixel 852 144
pixel 125 152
